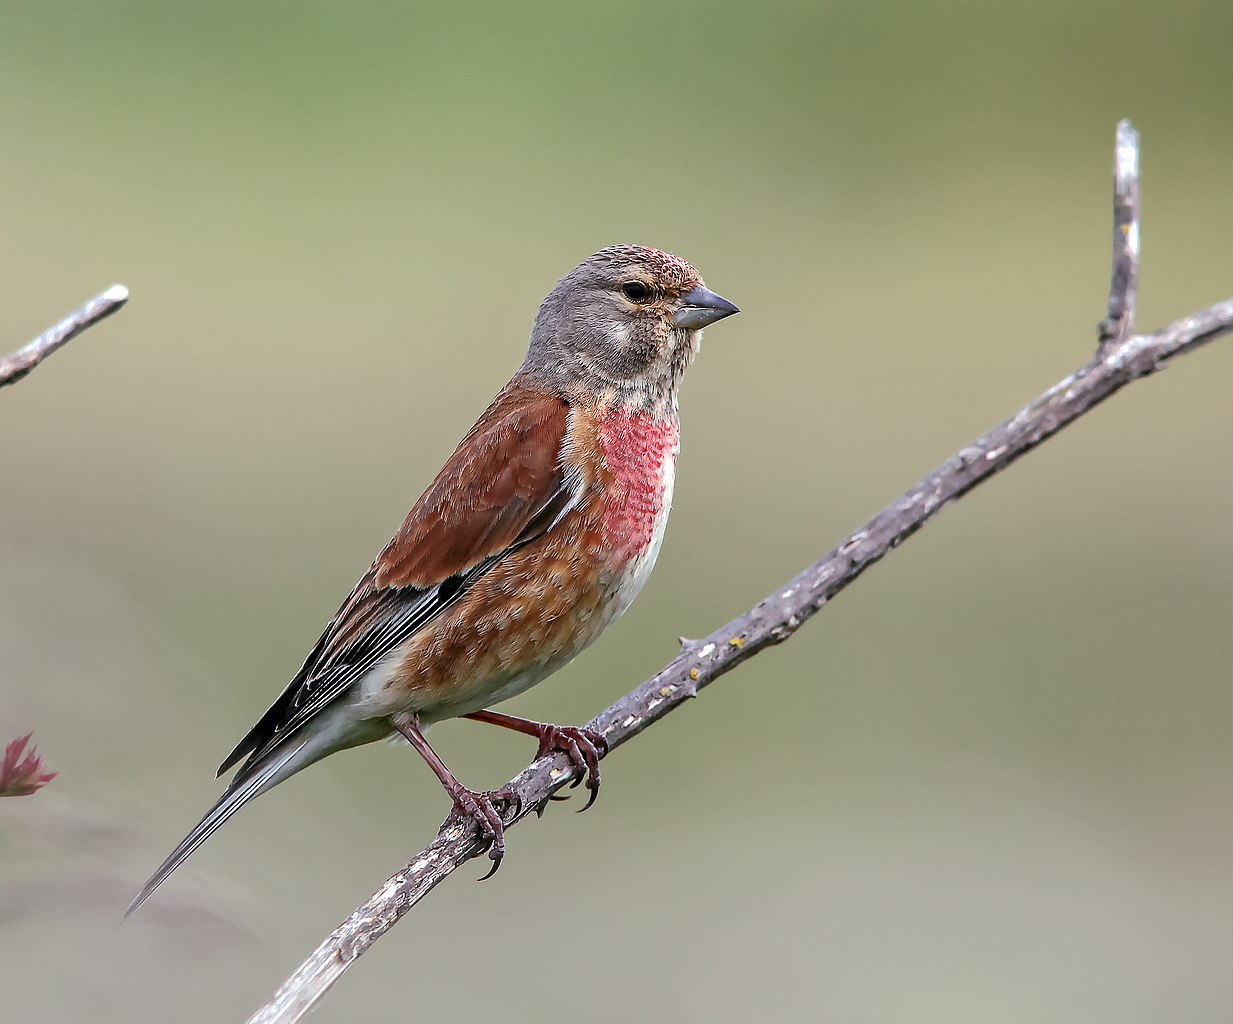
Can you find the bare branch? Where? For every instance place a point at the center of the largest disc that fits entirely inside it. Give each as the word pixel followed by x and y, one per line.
pixel 1124 283
pixel 26 359
pixel 1123 357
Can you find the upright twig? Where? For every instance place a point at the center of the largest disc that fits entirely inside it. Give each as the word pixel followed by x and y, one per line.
pixel 1123 357
pixel 1124 281
pixel 26 359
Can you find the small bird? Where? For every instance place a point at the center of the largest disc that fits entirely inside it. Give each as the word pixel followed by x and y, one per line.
pixel 538 532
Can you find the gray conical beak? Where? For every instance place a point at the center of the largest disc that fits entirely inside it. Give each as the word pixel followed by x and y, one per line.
pixel 700 307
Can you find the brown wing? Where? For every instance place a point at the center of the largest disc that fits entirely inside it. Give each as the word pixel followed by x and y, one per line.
pixel 485 496
pixel 502 488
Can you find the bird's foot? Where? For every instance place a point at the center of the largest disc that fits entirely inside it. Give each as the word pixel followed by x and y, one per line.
pixel 488 811
pixel 584 747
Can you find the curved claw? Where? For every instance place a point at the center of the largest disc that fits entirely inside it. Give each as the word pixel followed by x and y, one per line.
pixel 591 799
pixel 483 811
pixel 496 863
pixel 584 748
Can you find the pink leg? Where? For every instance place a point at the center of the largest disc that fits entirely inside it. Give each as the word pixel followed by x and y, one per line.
pixel 481 808
pixel 584 747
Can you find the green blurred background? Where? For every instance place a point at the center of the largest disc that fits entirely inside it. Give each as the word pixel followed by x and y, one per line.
pixel 993 782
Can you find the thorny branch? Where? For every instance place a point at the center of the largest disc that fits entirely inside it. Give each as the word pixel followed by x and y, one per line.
pixel 21 362
pixel 1123 357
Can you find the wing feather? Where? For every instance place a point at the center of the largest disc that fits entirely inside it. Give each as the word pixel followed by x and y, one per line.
pixel 505 486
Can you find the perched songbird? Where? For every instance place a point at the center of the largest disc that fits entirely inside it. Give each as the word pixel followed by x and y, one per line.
pixel 538 532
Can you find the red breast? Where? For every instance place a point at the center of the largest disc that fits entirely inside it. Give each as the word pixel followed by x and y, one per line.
pixel 639 451
pixel 544 603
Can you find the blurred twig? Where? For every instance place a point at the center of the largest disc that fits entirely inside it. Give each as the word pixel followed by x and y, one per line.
pixel 26 359
pixel 1123 357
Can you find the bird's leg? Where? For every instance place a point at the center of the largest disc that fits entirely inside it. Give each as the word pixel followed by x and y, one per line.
pixel 584 747
pixel 480 808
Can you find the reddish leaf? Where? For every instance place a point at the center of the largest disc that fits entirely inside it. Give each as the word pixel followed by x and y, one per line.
pixel 21 771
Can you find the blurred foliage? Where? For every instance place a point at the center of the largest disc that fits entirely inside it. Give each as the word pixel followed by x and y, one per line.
pixel 21 769
pixel 992 782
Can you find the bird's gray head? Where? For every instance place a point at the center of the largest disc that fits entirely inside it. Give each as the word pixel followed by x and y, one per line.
pixel 626 320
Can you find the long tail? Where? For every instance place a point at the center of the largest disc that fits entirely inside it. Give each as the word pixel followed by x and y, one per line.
pixel 242 789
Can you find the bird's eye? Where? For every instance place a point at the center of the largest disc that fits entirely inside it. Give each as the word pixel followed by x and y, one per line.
pixel 635 291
